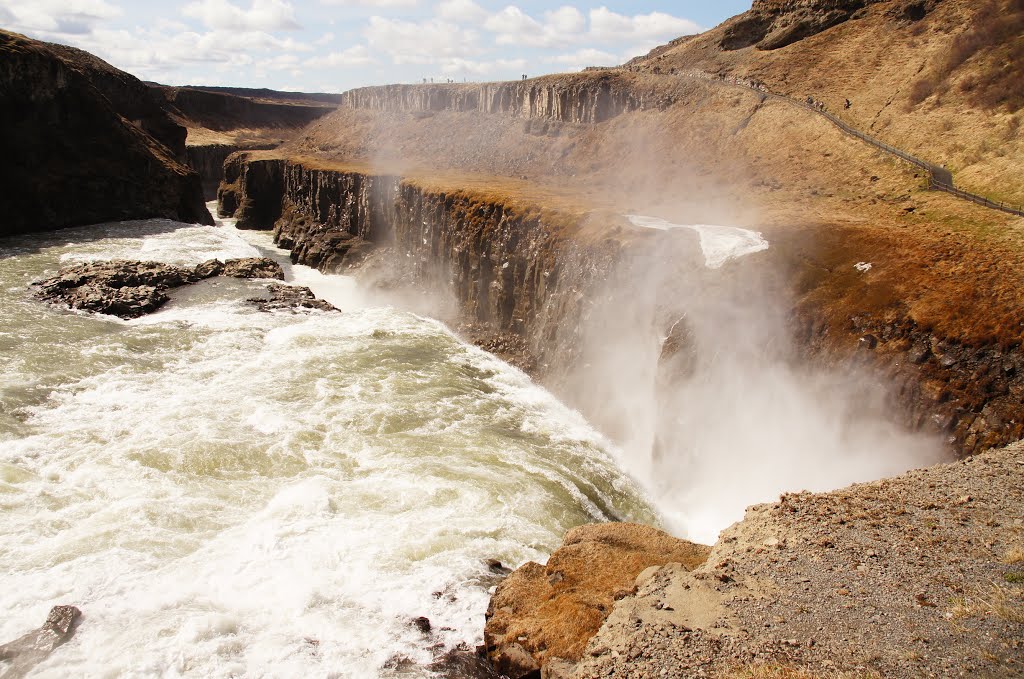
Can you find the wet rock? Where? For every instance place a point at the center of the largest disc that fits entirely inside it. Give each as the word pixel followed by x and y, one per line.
pixel 209 269
pixel 868 342
pixel 422 624
pixel 542 613
pixel 496 567
pixel 463 663
pixel 253 267
pixel 292 297
pixel 25 653
pixel 119 288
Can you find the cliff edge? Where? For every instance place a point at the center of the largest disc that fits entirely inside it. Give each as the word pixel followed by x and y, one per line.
pixel 86 143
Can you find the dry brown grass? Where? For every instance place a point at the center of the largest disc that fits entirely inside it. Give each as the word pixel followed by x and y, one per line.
pixel 1014 556
pixel 995 41
pixel 1005 603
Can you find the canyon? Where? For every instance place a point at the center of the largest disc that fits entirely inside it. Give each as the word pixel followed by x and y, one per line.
pixel 515 218
pixel 508 211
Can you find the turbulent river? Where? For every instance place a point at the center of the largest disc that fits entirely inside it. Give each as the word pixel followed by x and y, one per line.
pixel 227 492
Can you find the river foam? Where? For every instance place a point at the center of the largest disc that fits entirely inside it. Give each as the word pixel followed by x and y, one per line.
pixel 225 492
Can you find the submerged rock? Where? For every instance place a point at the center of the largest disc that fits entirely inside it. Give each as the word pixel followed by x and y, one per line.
pixel 463 663
pixel 292 297
pixel 25 653
pixel 541 617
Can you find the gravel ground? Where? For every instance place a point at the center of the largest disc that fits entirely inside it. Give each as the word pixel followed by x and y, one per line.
pixel 917 576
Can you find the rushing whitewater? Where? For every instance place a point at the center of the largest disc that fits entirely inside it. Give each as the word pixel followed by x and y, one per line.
pixel 225 492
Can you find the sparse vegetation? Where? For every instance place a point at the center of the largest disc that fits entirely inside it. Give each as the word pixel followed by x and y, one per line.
pixel 996 40
pixel 1014 556
pixel 1002 602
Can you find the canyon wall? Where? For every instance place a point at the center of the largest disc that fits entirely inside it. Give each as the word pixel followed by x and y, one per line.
pixel 520 275
pixel 586 98
pixel 531 278
pixel 86 143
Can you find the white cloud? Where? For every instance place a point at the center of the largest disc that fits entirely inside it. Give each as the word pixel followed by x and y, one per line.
pixel 324 39
pixel 607 25
pixel 357 55
pixel 585 57
pixel 262 15
pixel 560 27
pixel 68 17
pixel 461 11
pixel 476 69
pixel 372 3
pixel 425 42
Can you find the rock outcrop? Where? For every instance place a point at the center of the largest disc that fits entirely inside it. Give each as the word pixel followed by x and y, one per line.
pixel 292 298
pixel 86 143
pixel 772 24
pixel 253 267
pixel 208 161
pixel 28 651
pixel 131 289
pixel 541 617
pixel 913 576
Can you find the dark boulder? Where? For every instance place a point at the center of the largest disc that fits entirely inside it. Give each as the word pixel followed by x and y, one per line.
pixel 291 297
pixel 209 269
pixel 253 267
pixel 119 288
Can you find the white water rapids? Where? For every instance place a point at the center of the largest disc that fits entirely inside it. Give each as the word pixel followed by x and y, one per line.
pixel 225 492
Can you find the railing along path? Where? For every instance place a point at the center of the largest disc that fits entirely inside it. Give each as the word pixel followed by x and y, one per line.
pixel 939 178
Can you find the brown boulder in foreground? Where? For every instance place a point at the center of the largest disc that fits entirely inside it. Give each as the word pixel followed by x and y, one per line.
pixel 544 615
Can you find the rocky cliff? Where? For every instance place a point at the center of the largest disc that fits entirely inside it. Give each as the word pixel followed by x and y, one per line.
pixel 527 276
pixel 86 143
pixel 587 98
pixel 222 120
pixel 513 269
pixel 227 111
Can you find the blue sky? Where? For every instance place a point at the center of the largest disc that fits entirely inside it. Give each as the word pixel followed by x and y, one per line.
pixel 334 45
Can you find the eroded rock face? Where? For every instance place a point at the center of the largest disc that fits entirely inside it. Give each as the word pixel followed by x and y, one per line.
pixel 28 651
pixel 545 615
pixel 130 289
pixel 588 98
pixel 86 143
pixel 773 24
